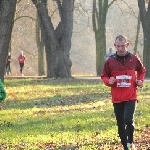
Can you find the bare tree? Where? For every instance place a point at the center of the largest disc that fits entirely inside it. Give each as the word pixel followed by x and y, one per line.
pixel 7 11
pixel 145 19
pixel 100 9
pixel 57 41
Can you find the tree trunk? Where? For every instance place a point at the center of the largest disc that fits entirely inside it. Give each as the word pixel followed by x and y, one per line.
pixel 99 27
pixel 7 11
pixel 100 38
pixel 40 46
pixel 58 41
pixel 137 36
pixel 145 19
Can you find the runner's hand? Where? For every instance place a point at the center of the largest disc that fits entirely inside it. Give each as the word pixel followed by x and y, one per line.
pixel 139 83
pixel 112 80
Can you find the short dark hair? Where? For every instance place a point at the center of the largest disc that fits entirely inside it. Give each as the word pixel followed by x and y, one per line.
pixel 121 37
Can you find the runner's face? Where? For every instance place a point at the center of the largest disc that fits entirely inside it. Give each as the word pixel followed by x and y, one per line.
pixel 121 47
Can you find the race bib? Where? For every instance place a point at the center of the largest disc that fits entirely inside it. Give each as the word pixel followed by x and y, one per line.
pixel 123 80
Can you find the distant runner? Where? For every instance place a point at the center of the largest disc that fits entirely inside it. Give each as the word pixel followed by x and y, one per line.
pixel 21 60
pixel 8 64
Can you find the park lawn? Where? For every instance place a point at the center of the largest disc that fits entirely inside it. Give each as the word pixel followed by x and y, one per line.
pixel 63 113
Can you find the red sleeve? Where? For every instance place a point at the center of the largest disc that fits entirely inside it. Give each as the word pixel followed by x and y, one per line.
pixel 141 70
pixel 106 74
pixel 18 57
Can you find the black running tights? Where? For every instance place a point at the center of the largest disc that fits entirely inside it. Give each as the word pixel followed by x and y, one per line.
pixel 124 113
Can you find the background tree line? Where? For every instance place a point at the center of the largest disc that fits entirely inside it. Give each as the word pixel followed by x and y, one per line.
pixel 55 39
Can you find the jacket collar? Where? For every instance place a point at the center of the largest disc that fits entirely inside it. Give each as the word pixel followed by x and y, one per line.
pixel 121 58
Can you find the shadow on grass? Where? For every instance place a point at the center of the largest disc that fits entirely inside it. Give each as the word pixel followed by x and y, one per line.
pixel 56 100
pixel 47 81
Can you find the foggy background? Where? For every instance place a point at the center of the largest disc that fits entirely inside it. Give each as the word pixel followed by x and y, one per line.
pixel 121 19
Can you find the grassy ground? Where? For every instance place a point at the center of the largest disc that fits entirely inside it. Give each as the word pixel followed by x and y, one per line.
pixel 65 115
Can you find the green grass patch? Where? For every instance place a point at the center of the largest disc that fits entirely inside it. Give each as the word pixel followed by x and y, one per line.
pixel 60 114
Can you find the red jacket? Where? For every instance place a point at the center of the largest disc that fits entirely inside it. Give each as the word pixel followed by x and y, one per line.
pixel 126 71
pixel 21 59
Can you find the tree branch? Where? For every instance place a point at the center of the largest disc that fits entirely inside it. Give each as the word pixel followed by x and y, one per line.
pixel 59 8
pixel 111 3
pixel 24 17
pixel 119 7
pixel 19 1
pixel 130 9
